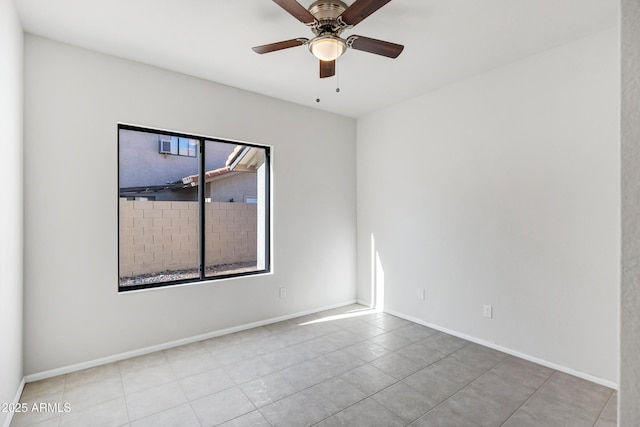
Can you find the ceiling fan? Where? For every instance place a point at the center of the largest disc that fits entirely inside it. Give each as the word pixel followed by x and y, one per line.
pixel 327 20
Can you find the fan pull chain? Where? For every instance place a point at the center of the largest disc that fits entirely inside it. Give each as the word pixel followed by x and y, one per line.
pixel 318 91
pixel 337 77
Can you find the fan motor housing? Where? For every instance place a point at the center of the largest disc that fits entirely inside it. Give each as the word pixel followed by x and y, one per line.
pixel 327 9
pixel 327 13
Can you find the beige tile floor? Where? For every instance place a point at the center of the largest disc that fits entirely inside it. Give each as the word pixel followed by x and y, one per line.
pixel 342 367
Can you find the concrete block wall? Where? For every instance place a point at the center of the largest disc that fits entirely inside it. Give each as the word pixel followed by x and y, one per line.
pixel 163 236
pixel 230 232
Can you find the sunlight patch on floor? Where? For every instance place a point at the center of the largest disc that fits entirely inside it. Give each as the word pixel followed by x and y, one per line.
pixel 347 315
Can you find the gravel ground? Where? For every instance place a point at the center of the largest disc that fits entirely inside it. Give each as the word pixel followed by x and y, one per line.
pixel 169 276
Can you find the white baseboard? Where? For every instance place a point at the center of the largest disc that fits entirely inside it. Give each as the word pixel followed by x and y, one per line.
pixel 164 346
pixel 146 350
pixel 16 399
pixel 363 302
pixel 515 353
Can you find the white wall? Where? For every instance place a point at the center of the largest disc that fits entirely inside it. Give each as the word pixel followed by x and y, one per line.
pixel 11 239
pixel 73 100
pixel 629 410
pixel 504 190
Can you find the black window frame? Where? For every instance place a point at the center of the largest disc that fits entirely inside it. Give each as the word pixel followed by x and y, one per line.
pixel 200 156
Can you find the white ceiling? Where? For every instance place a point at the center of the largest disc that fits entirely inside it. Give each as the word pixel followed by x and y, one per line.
pixel 445 41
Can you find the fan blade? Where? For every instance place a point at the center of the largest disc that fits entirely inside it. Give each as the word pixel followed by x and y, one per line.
pixel 297 11
pixel 279 45
pixel 360 10
pixel 327 69
pixel 379 47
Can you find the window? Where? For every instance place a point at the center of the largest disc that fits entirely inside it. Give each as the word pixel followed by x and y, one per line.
pixel 178 146
pixel 190 208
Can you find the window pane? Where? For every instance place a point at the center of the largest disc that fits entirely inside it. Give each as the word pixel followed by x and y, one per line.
pixel 174 145
pixel 183 144
pixel 231 221
pixel 193 144
pixel 158 211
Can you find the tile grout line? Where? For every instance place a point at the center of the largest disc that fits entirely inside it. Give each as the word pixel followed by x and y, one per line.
pixel 361 400
pixel 330 378
pixel 613 392
pixel 64 389
pixel 255 408
pixel 124 394
pixel 185 393
pixel 461 388
pixel 529 398
pixel 178 379
pixel 280 370
pixel 336 376
pixel 456 392
pixel 397 382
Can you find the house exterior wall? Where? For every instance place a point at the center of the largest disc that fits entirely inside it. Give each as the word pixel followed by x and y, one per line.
pixel 236 187
pixel 142 164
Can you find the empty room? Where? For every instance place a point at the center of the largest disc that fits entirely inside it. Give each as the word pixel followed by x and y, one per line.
pixel 297 213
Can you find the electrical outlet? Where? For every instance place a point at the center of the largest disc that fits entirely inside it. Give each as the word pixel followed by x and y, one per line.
pixel 487 311
pixel 420 294
pixel 283 292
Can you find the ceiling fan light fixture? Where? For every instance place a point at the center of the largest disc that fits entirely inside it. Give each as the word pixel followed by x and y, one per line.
pixel 327 47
